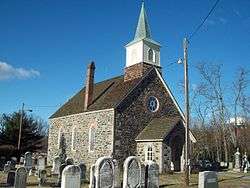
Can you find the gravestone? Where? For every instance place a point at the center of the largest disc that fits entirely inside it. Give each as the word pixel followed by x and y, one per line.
pixel 230 165
pixel 69 161
pixel 92 177
pixel 116 174
pixel 6 168
pixel 42 175
pixel 41 163
pixel 132 175
pixel 32 172
pixel 21 178
pixel 237 161
pixel 208 179
pixel 21 160
pixel 83 168
pixel 60 173
pixel 71 177
pixel 104 172
pixel 56 165
pixel 11 178
pixel 152 174
pixel 28 160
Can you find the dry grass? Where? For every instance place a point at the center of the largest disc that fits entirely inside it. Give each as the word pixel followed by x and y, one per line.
pixel 226 180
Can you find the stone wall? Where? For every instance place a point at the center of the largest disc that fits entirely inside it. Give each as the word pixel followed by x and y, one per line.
pixel 79 125
pixel 132 115
pixel 142 149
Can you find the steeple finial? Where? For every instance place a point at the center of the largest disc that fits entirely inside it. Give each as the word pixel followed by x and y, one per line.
pixel 142 30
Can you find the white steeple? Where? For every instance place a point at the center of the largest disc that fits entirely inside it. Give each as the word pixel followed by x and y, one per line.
pixel 143 49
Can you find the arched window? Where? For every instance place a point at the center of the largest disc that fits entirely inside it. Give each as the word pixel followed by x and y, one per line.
pixel 150 153
pixel 150 55
pixel 73 139
pixel 60 132
pixel 92 131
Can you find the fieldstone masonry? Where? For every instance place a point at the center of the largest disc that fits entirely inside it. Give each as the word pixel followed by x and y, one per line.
pixel 103 120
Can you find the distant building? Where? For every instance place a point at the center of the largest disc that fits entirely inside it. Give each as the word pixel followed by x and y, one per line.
pixel 132 114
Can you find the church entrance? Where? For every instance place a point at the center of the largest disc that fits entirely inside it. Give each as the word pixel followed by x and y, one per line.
pixel 176 151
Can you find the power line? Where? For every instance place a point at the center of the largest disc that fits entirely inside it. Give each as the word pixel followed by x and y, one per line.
pixel 204 20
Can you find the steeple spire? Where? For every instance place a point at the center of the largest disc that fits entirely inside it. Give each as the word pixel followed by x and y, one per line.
pixel 142 30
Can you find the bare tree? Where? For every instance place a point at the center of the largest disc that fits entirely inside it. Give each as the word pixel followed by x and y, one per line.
pixel 240 108
pixel 213 92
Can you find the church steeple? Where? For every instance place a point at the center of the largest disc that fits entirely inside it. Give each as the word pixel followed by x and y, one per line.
pixel 142 52
pixel 143 29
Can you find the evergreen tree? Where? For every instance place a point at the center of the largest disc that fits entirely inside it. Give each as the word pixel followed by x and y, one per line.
pixel 32 132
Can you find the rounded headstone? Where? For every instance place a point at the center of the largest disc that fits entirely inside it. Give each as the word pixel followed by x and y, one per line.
pixel 71 177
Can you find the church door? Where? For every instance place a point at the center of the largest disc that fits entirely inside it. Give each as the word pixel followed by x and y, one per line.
pixel 176 151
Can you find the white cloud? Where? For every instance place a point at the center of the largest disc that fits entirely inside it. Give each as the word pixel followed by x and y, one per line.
pixel 7 72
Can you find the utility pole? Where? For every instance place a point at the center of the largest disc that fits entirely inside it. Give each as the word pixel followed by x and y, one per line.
pixel 187 140
pixel 20 127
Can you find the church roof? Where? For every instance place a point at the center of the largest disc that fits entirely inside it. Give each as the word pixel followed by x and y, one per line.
pixel 143 30
pixel 107 94
pixel 158 128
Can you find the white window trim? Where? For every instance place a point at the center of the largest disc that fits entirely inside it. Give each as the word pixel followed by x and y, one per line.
pixel 59 137
pixel 146 152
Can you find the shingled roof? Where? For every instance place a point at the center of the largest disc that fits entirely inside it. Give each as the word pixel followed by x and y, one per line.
pixel 107 94
pixel 158 128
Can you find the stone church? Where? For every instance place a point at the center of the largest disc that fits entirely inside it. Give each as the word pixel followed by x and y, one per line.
pixel 132 114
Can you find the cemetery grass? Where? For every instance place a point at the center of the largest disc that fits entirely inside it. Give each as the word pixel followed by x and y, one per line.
pixel 226 180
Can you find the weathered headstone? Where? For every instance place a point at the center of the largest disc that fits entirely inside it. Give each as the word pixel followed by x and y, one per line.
pixel 28 160
pixel 21 160
pixel 104 172
pixel 11 178
pixel 71 177
pixel 6 168
pixel 208 179
pixel 21 178
pixel 152 174
pixel 56 165
pixel 69 161
pixel 116 174
pixel 132 174
pixel 41 163
pixel 83 168
pixel 60 173
pixel 92 177
pixel 42 175
pixel 230 165
pixel 237 161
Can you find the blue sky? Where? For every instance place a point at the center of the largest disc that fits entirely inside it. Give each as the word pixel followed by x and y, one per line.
pixel 46 45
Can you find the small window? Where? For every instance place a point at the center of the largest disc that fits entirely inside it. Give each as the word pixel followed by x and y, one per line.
pixel 92 131
pixel 152 104
pixel 150 153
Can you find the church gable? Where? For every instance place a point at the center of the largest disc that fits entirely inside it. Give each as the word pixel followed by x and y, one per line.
pixel 135 112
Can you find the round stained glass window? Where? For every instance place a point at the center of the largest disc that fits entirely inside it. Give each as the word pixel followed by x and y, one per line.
pixel 153 104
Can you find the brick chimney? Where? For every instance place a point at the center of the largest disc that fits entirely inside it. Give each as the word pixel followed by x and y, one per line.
pixel 89 85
